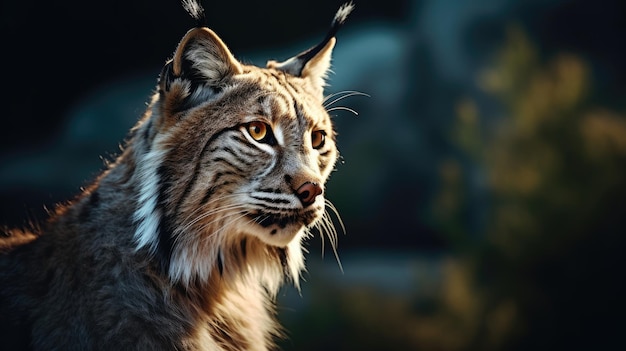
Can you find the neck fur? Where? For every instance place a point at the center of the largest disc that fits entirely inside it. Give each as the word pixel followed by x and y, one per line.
pixel 236 275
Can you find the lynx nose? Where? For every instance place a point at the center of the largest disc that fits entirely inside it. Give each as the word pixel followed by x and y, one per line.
pixel 307 193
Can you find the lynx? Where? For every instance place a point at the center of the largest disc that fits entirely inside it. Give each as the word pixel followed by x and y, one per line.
pixel 184 240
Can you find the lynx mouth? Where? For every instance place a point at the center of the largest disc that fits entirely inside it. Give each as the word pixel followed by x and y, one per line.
pixel 282 220
pixel 279 229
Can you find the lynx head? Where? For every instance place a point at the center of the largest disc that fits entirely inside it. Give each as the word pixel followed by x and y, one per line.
pixel 232 160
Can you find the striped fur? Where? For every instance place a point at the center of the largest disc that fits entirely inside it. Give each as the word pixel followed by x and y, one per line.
pixel 183 242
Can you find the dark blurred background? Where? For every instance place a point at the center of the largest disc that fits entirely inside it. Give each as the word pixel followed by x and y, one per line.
pixel 482 184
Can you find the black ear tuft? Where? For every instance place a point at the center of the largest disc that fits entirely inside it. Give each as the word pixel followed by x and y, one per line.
pixel 297 64
pixel 195 10
pixel 338 21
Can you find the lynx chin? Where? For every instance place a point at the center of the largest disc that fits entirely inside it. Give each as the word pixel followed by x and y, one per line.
pixel 184 240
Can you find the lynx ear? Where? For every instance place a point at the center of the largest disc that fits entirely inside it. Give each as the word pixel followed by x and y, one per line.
pixel 315 62
pixel 201 58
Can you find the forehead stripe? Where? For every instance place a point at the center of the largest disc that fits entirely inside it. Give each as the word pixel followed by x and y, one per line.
pixel 302 120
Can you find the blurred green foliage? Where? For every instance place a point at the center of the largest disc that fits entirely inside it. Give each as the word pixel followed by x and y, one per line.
pixel 544 271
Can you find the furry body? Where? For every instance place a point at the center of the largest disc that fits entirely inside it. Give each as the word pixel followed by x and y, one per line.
pixel 183 242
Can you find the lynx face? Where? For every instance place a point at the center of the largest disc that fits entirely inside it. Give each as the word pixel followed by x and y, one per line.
pixel 233 155
pixel 259 164
pixel 292 145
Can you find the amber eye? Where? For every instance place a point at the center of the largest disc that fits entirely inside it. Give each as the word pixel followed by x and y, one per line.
pixel 318 138
pixel 261 132
pixel 257 130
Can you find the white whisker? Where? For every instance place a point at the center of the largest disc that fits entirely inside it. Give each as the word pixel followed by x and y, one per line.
pixel 335 94
pixel 339 108
pixel 237 216
pixel 326 227
pixel 209 213
pixel 320 228
pixel 202 208
pixel 334 209
pixel 347 94
pixel 332 237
